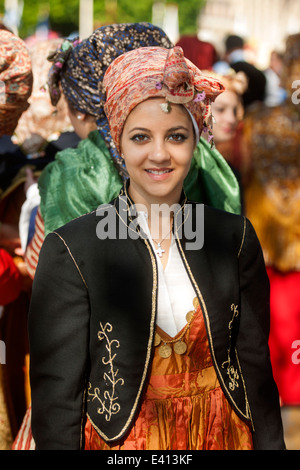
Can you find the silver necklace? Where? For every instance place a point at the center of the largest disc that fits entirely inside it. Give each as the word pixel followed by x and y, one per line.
pixel 160 251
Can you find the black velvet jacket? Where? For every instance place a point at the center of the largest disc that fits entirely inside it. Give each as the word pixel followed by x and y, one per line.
pixel 92 322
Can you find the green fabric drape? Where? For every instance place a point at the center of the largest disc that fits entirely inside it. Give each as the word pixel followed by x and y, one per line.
pixel 81 179
pixel 211 180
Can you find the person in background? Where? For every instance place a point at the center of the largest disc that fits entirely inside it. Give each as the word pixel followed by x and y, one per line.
pixel 202 53
pixel 275 93
pixel 228 111
pixel 16 79
pixel 235 56
pixel 41 132
pixel 272 203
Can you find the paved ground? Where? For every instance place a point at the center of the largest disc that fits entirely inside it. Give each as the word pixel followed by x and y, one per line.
pixel 291 425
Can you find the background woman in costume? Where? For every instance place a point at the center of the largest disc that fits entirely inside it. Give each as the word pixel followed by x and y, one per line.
pixel 228 112
pixel 272 203
pixel 16 75
pixel 42 131
pixel 173 398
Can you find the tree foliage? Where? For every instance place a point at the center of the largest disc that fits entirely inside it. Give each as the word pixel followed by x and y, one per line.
pixel 63 14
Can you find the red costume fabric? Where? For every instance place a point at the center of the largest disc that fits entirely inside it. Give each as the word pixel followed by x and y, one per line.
pixel 10 279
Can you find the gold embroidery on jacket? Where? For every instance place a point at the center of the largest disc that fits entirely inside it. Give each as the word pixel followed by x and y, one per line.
pixel 231 371
pixel 203 304
pixel 108 405
pixel 152 327
pixel 243 238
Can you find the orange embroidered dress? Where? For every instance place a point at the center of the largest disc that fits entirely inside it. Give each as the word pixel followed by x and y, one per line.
pixel 184 407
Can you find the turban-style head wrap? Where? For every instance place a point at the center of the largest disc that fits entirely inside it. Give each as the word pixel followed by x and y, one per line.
pixel 79 68
pixel 41 121
pixel 15 81
pixel 151 72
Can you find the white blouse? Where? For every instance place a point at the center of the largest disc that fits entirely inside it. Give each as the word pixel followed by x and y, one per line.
pixel 175 290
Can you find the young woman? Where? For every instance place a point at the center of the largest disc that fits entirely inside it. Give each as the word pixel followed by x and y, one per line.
pixel 77 73
pixel 142 337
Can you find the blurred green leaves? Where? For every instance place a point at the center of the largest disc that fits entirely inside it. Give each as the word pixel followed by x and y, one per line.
pixel 63 14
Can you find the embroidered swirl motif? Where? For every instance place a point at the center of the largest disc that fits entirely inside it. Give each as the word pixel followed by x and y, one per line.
pixel 231 371
pixel 108 405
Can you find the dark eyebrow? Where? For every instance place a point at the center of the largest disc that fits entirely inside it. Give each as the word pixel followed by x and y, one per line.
pixel 173 129
pixel 178 128
pixel 139 129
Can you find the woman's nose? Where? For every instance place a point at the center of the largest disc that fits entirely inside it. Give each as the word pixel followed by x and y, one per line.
pixel 231 116
pixel 159 152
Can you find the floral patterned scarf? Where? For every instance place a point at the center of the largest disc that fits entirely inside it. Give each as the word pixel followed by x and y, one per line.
pixel 150 72
pixel 15 81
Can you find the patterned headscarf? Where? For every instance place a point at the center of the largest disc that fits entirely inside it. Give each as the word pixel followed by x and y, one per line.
pixel 157 72
pixel 41 119
pixel 79 68
pixel 15 81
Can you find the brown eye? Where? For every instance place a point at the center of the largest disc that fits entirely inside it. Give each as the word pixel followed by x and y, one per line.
pixel 177 137
pixel 139 138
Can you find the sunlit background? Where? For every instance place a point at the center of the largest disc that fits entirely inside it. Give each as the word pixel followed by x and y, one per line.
pixel 264 24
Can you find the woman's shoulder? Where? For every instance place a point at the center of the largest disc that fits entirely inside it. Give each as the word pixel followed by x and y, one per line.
pixel 217 214
pixel 220 228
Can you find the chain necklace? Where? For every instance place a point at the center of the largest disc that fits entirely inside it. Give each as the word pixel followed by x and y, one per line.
pixel 160 251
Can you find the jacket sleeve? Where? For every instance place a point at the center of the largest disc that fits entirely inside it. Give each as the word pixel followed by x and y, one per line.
pixel 252 345
pixel 58 333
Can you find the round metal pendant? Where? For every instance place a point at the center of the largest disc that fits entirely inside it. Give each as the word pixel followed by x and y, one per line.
pixel 196 303
pixel 157 339
pixel 180 347
pixel 165 351
pixel 189 315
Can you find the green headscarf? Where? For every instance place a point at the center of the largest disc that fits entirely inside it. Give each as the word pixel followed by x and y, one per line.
pixel 81 179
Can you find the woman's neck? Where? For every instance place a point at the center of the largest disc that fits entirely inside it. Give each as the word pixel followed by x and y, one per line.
pixel 154 204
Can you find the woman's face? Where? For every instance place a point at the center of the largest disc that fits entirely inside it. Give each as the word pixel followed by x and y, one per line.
pixel 226 110
pixel 157 148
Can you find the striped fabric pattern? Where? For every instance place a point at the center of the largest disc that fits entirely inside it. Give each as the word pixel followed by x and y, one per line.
pixel 34 247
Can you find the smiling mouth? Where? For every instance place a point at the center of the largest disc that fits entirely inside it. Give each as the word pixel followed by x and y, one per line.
pixel 159 172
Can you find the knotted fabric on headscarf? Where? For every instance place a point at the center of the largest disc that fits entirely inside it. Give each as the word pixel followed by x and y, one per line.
pixel 15 81
pixel 79 68
pixel 151 72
